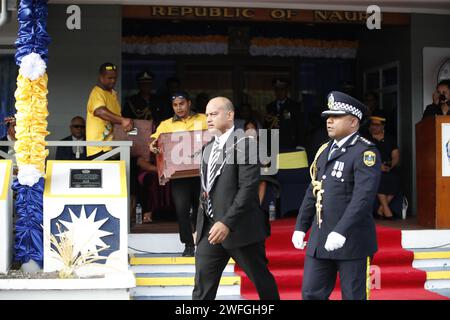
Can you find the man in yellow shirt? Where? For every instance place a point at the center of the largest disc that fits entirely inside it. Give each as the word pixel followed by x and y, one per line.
pixel 185 191
pixel 103 111
pixel 184 119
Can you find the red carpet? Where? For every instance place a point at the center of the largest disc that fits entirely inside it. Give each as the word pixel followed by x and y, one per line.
pixel 397 280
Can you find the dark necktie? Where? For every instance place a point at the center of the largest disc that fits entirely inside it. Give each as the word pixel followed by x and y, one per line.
pixel 213 169
pixel 334 147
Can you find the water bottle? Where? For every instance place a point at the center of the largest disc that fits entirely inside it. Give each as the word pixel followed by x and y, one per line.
pixel 272 211
pixel 138 214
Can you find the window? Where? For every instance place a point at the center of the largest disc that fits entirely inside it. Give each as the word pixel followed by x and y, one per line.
pixel 384 82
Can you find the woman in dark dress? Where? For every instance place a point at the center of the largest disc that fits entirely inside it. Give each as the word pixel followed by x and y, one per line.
pixel 390 158
pixel 153 196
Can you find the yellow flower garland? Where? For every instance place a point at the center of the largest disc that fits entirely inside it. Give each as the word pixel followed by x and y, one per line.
pixel 31 123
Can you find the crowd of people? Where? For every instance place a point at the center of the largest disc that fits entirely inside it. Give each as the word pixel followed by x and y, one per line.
pixel 175 110
pixel 354 159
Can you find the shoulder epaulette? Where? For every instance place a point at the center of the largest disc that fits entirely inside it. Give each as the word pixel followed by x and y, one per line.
pixel 365 141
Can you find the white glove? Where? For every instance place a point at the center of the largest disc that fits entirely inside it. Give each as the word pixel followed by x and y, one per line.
pixel 334 241
pixel 297 240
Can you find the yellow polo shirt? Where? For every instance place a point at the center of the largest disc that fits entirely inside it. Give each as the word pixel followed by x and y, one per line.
pixel 196 121
pixel 98 129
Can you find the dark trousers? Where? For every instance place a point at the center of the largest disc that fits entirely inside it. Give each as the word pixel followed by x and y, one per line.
pixel 319 278
pixel 211 260
pixel 185 195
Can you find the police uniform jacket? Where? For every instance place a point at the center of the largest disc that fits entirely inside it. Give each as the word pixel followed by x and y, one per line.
pixel 350 181
pixel 290 123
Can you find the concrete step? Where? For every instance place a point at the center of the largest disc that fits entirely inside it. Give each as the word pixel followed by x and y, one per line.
pixel 426 239
pixel 167 263
pixel 155 243
pixel 170 275
pixel 443 249
pixel 437 274
pixel 431 254
pixel 171 269
pixel 443 292
pixel 180 279
pixel 436 263
pixel 433 285
pixel 163 259
pixel 424 259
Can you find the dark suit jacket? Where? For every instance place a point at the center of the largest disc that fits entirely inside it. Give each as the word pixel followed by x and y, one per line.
pixel 234 193
pixel 347 201
pixel 66 153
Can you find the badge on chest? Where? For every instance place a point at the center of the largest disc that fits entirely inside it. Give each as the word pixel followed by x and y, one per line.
pixel 338 168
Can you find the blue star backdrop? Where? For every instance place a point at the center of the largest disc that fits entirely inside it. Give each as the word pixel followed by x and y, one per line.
pixel 111 225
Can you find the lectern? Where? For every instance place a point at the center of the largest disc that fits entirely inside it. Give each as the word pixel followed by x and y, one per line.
pixel 433 172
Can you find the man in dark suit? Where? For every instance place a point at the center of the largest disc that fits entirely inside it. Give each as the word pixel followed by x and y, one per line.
pixel 338 206
pixel 230 222
pixel 285 114
pixel 78 133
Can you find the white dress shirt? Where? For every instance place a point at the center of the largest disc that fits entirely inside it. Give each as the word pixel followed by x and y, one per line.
pixel 77 150
pixel 341 142
pixel 222 140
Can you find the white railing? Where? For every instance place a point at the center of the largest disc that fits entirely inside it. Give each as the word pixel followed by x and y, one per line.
pixel 3 12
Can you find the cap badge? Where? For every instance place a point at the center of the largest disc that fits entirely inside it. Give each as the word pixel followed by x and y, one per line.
pixel 330 101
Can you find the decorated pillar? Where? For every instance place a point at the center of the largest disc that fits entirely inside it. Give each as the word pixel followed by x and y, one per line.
pixel 31 129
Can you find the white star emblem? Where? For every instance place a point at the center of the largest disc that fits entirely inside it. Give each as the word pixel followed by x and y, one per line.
pixel 86 232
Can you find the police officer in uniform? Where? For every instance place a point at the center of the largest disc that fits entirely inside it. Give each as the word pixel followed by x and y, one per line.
pixel 338 206
pixel 285 114
pixel 143 105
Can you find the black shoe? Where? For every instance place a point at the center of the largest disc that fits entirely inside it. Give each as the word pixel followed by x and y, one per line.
pixel 189 251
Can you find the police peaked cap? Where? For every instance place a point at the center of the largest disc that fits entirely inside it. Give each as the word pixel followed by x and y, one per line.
pixel 340 104
pixel 144 76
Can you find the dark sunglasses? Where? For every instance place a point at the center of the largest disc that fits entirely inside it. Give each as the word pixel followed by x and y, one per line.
pixel 78 126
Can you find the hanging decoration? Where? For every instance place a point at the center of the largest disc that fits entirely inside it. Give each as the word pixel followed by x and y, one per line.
pixel 31 128
pixel 259 46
